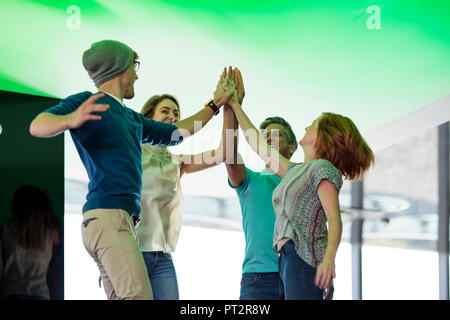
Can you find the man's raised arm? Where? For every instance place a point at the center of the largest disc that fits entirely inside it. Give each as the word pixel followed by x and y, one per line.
pixel 222 94
pixel 47 125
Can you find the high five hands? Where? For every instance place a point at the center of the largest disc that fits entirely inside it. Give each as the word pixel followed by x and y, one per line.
pixel 225 89
pixel 230 80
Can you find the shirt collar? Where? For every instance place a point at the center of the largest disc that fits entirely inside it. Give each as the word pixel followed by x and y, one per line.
pixel 266 172
pixel 113 96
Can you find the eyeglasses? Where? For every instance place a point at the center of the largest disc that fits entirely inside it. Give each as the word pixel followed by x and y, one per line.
pixel 136 65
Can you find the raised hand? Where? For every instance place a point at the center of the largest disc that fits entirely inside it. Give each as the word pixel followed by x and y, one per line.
pixel 225 87
pixel 224 82
pixel 237 78
pixel 225 97
pixel 84 112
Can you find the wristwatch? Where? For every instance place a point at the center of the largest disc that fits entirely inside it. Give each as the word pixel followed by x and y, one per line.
pixel 213 107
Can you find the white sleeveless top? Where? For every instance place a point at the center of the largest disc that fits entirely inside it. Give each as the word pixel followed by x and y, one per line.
pixel 24 270
pixel 162 199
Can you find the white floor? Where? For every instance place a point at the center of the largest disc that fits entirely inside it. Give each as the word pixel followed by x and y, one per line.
pixel 208 264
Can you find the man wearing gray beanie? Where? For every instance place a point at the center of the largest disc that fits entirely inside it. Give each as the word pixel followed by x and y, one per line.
pixel 108 137
pixel 106 59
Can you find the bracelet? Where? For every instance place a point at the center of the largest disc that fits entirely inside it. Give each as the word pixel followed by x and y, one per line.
pixel 213 107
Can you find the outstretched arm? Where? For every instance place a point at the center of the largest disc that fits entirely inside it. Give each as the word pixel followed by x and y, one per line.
pixel 193 163
pixel 48 125
pixel 193 124
pixel 207 159
pixel 235 166
pixel 277 162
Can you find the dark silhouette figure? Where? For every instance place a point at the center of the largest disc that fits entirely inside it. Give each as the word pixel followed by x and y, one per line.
pixel 26 246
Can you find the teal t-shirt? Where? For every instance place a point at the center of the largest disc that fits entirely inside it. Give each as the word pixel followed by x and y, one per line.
pixel 258 220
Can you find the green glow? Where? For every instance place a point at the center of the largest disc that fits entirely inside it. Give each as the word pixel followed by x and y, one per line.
pixel 8 83
pixel 298 57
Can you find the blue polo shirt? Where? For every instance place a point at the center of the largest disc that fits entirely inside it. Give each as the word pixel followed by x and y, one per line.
pixel 110 150
pixel 258 220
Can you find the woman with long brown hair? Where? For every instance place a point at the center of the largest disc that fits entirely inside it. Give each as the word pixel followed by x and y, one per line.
pixel 26 244
pixel 307 198
pixel 162 197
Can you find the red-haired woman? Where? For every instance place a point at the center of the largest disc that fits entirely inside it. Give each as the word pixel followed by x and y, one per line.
pixel 307 197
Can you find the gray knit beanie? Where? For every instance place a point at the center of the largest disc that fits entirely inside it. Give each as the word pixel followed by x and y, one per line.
pixel 107 59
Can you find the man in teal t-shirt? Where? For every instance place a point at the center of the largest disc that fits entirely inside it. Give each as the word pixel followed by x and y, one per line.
pixel 260 278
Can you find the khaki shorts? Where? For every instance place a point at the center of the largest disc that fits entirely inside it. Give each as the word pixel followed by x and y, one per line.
pixel 110 238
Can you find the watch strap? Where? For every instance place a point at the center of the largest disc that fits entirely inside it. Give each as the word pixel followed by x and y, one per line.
pixel 213 107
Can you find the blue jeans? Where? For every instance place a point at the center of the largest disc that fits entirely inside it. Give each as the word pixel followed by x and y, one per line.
pixel 298 276
pixel 261 286
pixel 162 275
